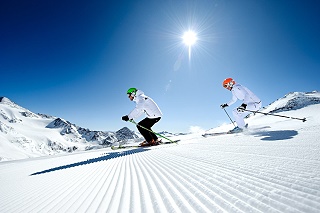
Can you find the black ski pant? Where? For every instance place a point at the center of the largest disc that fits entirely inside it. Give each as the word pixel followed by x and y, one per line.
pixel 148 123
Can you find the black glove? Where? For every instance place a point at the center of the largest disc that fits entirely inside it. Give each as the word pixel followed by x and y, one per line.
pixel 223 106
pixel 125 118
pixel 242 107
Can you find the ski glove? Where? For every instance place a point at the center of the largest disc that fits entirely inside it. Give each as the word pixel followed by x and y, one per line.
pixel 223 106
pixel 125 118
pixel 242 107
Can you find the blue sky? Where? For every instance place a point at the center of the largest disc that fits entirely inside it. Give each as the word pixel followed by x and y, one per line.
pixel 76 59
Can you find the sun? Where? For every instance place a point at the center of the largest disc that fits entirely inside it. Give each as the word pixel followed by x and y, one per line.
pixel 189 38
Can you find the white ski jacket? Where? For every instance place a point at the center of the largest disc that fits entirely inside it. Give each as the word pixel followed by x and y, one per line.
pixel 144 104
pixel 240 92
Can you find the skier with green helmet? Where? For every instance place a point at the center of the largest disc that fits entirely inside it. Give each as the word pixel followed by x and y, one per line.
pixel 144 104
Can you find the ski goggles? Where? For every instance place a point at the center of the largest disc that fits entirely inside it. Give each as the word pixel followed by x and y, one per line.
pixel 228 85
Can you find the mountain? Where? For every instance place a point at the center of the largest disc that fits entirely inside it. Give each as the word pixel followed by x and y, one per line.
pixel 294 101
pixel 24 134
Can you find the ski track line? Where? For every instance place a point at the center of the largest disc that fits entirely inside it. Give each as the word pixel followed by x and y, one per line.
pixel 15 202
pixel 106 185
pixel 119 185
pixel 222 197
pixel 261 173
pixel 111 190
pixel 149 185
pixel 72 189
pixel 265 174
pixel 187 186
pixel 250 186
pixel 54 197
pixel 92 188
pixel 143 178
pixel 155 185
pixel 64 190
pixel 78 196
pixel 282 175
pixel 279 175
pixel 34 191
pixel 182 184
pixel 110 195
pixel 96 187
pixel 7 169
pixel 159 187
pixel 107 168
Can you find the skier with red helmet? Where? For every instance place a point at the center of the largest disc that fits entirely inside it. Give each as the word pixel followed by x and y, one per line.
pixel 144 104
pixel 249 102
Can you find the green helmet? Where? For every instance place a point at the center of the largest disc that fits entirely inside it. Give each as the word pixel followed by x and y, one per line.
pixel 132 91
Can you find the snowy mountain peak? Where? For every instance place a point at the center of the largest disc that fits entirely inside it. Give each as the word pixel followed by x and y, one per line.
pixel 7 101
pixel 4 100
pixel 126 133
pixel 66 126
pixel 294 101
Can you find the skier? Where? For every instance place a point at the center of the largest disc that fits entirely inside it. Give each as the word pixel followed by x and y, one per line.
pixel 144 104
pixel 249 101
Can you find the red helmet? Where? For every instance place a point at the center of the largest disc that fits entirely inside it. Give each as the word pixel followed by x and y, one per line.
pixel 228 82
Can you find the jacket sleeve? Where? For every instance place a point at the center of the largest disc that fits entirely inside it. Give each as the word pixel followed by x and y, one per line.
pixel 233 99
pixel 135 113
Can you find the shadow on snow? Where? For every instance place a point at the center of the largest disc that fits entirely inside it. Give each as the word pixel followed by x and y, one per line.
pixel 109 156
pixel 276 135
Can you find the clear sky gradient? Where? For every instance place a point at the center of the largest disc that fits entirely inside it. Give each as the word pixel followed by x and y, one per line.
pixel 76 59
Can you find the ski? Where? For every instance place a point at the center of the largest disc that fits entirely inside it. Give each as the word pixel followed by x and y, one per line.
pixel 168 142
pixel 215 134
pixel 124 147
pixel 219 133
pixel 138 146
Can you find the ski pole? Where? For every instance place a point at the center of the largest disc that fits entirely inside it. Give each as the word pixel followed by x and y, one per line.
pixel 229 117
pixel 132 121
pixel 283 116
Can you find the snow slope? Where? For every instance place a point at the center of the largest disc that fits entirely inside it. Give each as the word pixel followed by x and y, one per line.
pixel 272 167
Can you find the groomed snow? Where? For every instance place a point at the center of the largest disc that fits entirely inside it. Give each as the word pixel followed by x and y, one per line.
pixel 272 167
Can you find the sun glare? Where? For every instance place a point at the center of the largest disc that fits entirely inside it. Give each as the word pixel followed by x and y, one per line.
pixel 189 38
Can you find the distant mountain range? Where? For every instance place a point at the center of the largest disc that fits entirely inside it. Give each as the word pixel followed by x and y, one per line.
pixel 27 134
pixel 24 134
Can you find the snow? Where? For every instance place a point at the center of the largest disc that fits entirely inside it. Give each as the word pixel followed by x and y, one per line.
pixel 274 166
